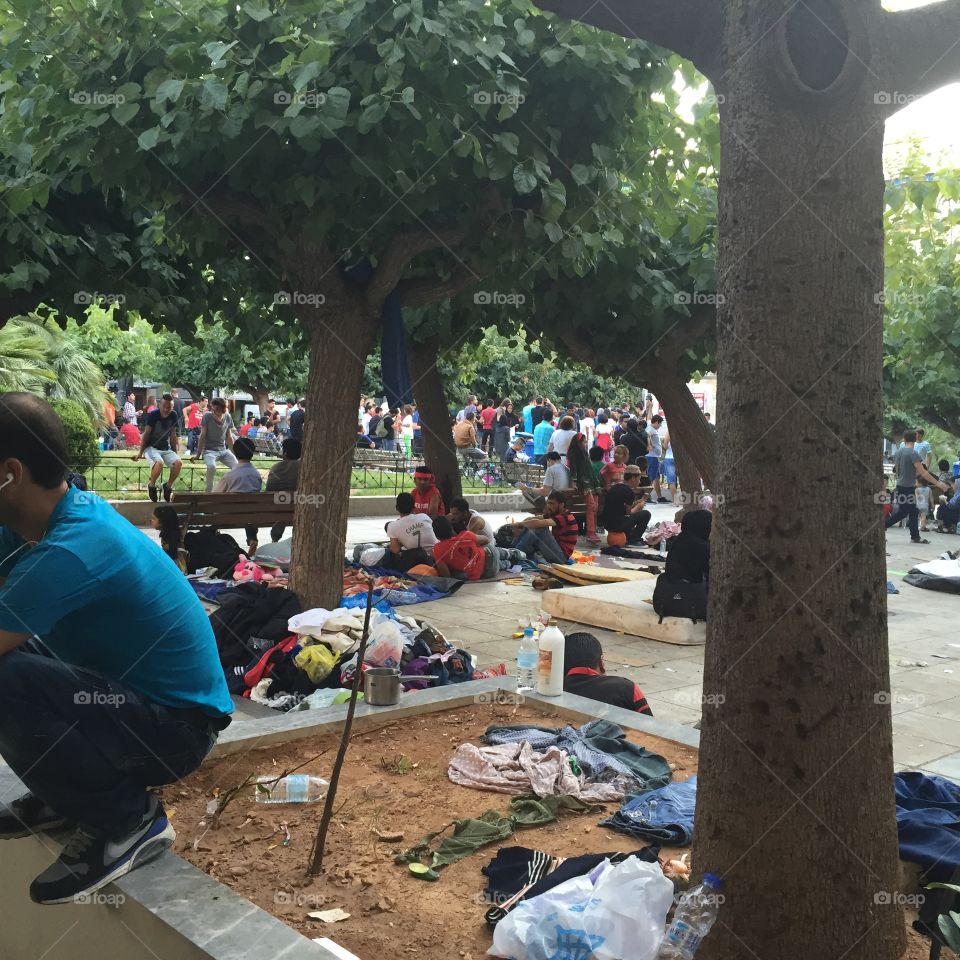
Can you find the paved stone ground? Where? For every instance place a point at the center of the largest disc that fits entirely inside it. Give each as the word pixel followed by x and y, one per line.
pixel 923 629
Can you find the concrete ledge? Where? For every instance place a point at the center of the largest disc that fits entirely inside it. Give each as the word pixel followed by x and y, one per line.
pixel 169 909
pixel 139 512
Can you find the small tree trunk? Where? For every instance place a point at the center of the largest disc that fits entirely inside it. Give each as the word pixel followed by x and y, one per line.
pixel 338 344
pixel 693 444
pixel 438 448
pixel 261 398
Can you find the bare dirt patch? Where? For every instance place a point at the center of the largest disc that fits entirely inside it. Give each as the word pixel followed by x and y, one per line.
pixel 394 780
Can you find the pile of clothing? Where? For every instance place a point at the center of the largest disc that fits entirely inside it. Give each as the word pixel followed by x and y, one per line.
pixel 284 657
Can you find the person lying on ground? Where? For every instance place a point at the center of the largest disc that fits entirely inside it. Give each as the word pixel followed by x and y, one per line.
pixel 110 681
pixel 463 518
pixel 623 507
pixel 284 478
pixel 426 494
pixel 243 478
pixel 555 478
pixel 552 536
pixel 159 445
pixel 458 555
pixel 688 560
pixel 586 676
pixel 411 537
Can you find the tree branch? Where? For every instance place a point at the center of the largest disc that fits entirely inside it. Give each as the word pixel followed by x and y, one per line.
pixel 921 51
pixel 688 27
pixel 398 254
pixel 421 292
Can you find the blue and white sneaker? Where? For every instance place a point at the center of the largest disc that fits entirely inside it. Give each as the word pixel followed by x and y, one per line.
pixel 89 862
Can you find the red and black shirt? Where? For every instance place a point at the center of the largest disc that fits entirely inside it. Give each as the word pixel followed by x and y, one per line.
pixel 617 691
pixel 565 531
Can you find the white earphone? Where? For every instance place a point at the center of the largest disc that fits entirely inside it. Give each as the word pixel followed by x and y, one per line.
pixel 7 482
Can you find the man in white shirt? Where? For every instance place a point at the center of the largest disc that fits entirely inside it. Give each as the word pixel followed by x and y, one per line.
pixel 555 477
pixel 410 529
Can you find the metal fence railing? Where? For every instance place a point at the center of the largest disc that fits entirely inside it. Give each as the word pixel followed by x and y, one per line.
pixel 376 473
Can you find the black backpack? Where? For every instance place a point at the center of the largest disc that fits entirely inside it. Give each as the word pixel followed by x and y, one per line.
pixel 210 548
pixel 685 600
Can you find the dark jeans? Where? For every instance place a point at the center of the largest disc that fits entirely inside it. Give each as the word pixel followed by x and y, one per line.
pixel 276 533
pixel 88 746
pixel 534 540
pixel 948 515
pixel 905 505
pixel 193 435
pixel 633 525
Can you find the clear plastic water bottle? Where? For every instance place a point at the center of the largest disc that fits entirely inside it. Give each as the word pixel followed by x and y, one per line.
pixel 695 915
pixel 527 662
pixel 294 788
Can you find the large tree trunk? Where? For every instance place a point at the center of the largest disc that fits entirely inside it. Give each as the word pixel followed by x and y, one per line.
pixel 438 450
pixel 261 398
pixel 693 443
pixel 795 806
pixel 340 339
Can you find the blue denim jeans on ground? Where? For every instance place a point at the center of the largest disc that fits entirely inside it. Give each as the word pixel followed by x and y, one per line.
pixel 88 746
pixel 540 540
pixel 905 505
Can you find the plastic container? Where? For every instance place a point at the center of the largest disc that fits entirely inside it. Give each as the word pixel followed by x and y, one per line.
pixel 550 662
pixel 294 788
pixel 527 662
pixel 692 920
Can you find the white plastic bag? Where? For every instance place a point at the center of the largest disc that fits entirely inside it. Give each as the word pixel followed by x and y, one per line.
pixel 385 643
pixel 613 913
pixel 372 556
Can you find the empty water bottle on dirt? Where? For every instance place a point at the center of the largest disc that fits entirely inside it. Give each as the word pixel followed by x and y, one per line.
pixel 694 916
pixel 294 788
pixel 527 662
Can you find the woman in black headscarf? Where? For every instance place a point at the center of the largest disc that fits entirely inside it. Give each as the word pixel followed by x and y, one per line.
pixel 688 560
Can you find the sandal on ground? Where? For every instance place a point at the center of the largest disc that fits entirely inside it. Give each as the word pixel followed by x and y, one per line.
pixel 921 540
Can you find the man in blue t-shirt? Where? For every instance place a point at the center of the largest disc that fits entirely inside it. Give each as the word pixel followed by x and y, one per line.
pixel 109 676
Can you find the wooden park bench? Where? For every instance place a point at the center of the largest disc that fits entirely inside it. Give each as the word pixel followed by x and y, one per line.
pixel 392 460
pixel 233 510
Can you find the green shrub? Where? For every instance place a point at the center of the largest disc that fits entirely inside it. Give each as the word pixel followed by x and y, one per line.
pixel 83 453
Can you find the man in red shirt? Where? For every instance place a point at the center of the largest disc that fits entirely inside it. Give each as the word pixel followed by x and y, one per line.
pixel 553 536
pixel 586 676
pixel 426 494
pixel 458 555
pixel 487 415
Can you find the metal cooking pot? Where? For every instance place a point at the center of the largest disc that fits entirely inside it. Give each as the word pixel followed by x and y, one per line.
pixel 381 685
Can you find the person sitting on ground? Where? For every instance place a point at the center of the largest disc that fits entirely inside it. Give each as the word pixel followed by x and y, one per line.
pixel 553 536
pixel 623 507
pixel 555 477
pixel 243 478
pixel 948 512
pixel 110 682
pixel 159 444
pixel 458 555
pixel 613 472
pixel 364 441
pixel 688 560
pixel 164 521
pixel 411 537
pixel 586 676
pixel 426 494
pixel 465 438
pixel 463 518
pixel 515 452
pixel 284 478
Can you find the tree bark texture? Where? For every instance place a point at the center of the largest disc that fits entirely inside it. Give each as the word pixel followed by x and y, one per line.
pixel 795 804
pixel 438 449
pixel 341 334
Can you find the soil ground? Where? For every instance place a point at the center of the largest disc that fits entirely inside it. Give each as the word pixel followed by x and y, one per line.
pixel 394 781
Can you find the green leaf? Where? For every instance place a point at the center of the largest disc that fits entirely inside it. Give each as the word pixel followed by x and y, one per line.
pixel 169 90
pixel 306 73
pixel 337 102
pixel 123 113
pixel 213 94
pixel 554 232
pixel 509 141
pixel 407 95
pixel 372 115
pixel 216 49
pixel 524 179
pixel 434 26
pixel 255 12
pixel 148 139
pixel 581 173
pixel 553 55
